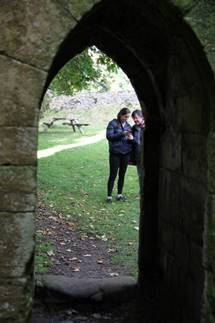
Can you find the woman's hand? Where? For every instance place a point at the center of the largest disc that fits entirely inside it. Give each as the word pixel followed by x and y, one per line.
pixel 130 136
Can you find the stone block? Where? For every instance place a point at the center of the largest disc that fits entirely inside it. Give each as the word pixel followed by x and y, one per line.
pixel 17 179
pixel 193 208
pixel 185 107
pixel 169 196
pixel 163 258
pixel 79 7
pixel 18 146
pixel 20 93
pixel 17 201
pixel 191 109
pixel 211 260
pixel 182 251
pixel 187 316
pixel 194 298
pixel 26 34
pixel 211 161
pixel 15 295
pixel 196 268
pixel 194 157
pixel 16 244
pixel 170 151
pixel 166 236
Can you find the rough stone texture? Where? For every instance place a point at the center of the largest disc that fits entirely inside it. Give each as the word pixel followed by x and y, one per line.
pixel 21 87
pixel 79 7
pixel 210 257
pixel 18 145
pixel 16 229
pixel 183 187
pixel 28 36
pixel 200 15
pixel 18 179
pixel 18 202
pixel 15 295
pixel 171 76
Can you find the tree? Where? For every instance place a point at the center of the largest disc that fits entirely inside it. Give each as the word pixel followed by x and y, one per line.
pixel 90 67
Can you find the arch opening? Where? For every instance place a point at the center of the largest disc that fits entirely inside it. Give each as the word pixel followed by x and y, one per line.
pixel 170 74
pixel 157 54
pixel 81 195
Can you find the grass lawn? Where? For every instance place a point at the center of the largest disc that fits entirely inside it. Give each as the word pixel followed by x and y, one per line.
pixel 74 181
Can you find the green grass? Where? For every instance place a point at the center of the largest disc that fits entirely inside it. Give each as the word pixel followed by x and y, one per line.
pixel 42 260
pixel 74 182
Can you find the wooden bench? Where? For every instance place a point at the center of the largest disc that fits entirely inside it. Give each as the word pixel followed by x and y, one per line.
pixel 69 122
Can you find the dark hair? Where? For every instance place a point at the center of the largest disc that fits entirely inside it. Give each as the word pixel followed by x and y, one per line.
pixel 122 112
pixel 137 113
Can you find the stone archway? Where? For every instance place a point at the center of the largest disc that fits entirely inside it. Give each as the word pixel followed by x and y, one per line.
pixel 170 74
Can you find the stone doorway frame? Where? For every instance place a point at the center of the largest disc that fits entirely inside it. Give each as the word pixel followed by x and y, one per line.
pixel 178 95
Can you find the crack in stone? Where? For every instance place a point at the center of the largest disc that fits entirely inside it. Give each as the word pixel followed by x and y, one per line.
pixel 4 54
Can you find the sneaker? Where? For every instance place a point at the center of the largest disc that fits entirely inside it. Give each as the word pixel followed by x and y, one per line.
pixel 109 199
pixel 121 197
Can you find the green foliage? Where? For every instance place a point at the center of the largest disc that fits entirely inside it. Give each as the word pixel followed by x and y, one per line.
pixel 90 67
pixel 74 182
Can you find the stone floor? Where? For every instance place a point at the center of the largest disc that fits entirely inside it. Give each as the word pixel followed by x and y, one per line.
pixel 63 299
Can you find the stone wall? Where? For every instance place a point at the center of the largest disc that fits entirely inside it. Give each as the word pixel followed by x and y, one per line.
pixel 30 35
pixel 211 231
pixel 172 79
pixel 183 189
pixel 90 100
pixel 18 141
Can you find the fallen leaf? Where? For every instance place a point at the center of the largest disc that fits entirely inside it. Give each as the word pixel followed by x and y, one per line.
pixel 104 238
pixel 112 250
pixel 53 218
pixel 76 269
pixel 114 274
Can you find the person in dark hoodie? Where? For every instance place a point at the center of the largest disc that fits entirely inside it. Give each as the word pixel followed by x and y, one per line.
pixel 120 138
pixel 137 132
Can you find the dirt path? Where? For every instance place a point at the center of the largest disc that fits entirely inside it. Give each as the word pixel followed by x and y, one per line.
pixel 80 142
pixel 75 254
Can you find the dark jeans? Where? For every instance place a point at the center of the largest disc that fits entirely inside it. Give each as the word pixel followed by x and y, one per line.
pixel 118 162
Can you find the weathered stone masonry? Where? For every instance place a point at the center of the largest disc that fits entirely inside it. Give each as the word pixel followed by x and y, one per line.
pixel 174 83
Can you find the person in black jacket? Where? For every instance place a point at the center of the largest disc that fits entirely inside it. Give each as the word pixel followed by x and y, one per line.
pixel 120 138
pixel 137 131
